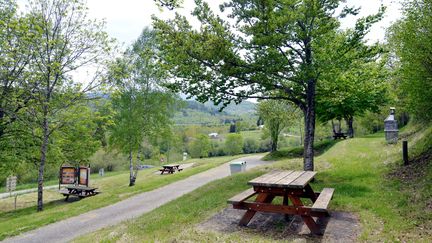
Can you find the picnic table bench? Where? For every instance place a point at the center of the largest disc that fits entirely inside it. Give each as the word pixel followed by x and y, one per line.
pixel 79 191
pixel 170 169
pixel 292 186
pixel 337 135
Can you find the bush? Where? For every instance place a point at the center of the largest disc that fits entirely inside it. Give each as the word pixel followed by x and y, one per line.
pixel 265 145
pixel 250 145
pixel 200 147
pixel 109 161
pixel 233 144
pixel 217 149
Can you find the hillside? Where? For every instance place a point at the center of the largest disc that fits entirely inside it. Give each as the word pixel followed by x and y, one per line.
pixel 196 113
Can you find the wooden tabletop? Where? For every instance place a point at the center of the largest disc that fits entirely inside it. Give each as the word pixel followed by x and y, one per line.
pixel 172 165
pixel 81 187
pixel 284 179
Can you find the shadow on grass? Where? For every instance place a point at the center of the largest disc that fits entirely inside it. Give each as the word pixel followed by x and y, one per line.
pixel 32 209
pixel 297 152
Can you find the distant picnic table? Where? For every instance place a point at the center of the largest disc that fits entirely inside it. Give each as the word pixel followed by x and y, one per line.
pixel 292 186
pixel 170 169
pixel 79 191
pixel 337 135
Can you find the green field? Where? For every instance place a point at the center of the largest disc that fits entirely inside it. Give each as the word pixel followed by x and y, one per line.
pixel 359 169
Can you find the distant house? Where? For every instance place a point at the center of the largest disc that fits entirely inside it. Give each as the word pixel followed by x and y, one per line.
pixel 213 135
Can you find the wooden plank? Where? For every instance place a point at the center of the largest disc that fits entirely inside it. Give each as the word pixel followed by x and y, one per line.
pixel 290 178
pixel 302 180
pixel 242 196
pixel 275 179
pixel 263 177
pixel 171 165
pixel 270 180
pixel 323 200
pixel 261 198
pixel 282 209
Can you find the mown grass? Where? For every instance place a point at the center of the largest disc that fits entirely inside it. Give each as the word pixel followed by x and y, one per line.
pixel 296 152
pixel 55 181
pixel 357 168
pixel 114 189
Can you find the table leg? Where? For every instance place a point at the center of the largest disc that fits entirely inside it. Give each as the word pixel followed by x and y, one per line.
pixel 309 221
pixel 261 198
pixel 285 203
pixel 310 193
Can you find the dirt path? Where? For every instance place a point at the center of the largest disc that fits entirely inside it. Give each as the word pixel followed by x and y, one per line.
pixel 340 227
pixel 135 206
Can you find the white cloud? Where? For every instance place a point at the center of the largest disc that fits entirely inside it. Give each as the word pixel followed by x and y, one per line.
pixel 126 18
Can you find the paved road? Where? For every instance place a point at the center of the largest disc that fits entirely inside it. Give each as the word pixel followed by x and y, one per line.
pixel 127 209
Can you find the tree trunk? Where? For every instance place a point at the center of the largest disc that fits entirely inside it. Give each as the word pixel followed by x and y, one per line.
pixel 44 149
pixel 274 145
pixel 349 122
pixel 274 135
pixel 301 132
pixel 309 114
pixel 333 126
pixel 309 108
pixel 131 175
pixel 308 155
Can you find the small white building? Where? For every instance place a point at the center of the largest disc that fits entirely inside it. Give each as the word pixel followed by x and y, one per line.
pixel 213 135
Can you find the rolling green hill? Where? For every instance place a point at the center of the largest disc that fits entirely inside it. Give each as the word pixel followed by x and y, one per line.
pixel 195 113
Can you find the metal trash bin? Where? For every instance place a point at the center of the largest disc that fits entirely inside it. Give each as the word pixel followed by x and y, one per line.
pixel 237 166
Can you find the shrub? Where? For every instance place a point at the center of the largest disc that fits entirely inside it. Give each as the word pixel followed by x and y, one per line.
pixel 250 145
pixel 233 144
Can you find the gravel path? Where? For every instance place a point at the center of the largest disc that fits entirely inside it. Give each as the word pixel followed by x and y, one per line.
pixel 127 209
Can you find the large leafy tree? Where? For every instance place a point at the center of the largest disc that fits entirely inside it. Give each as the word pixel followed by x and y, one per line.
pixel 410 39
pixel 271 50
pixel 143 108
pixel 70 41
pixel 16 42
pixel 277 115
pixel 353 90
pixel 76 138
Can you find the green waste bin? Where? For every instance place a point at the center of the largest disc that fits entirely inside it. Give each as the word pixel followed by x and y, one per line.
pixel 237 166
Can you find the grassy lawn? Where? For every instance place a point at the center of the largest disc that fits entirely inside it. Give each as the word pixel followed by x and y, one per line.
pixel 254 134
pixel 114 188
pixel 357 168
pixel 93 176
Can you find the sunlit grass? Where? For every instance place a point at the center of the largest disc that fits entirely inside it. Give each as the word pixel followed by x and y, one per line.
pixel 356 168
pixel 114 188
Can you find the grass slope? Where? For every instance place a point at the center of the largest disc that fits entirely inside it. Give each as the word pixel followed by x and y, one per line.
pixel 296 152
pixel 114 188
pixel 357 168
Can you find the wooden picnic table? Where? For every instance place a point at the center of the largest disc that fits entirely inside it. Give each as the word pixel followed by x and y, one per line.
pixel 79 191
pixel 291 186
pixel 337 135
pixel 170 169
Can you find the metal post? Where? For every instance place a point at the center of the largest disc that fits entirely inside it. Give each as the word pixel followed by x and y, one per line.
pixel 405 152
